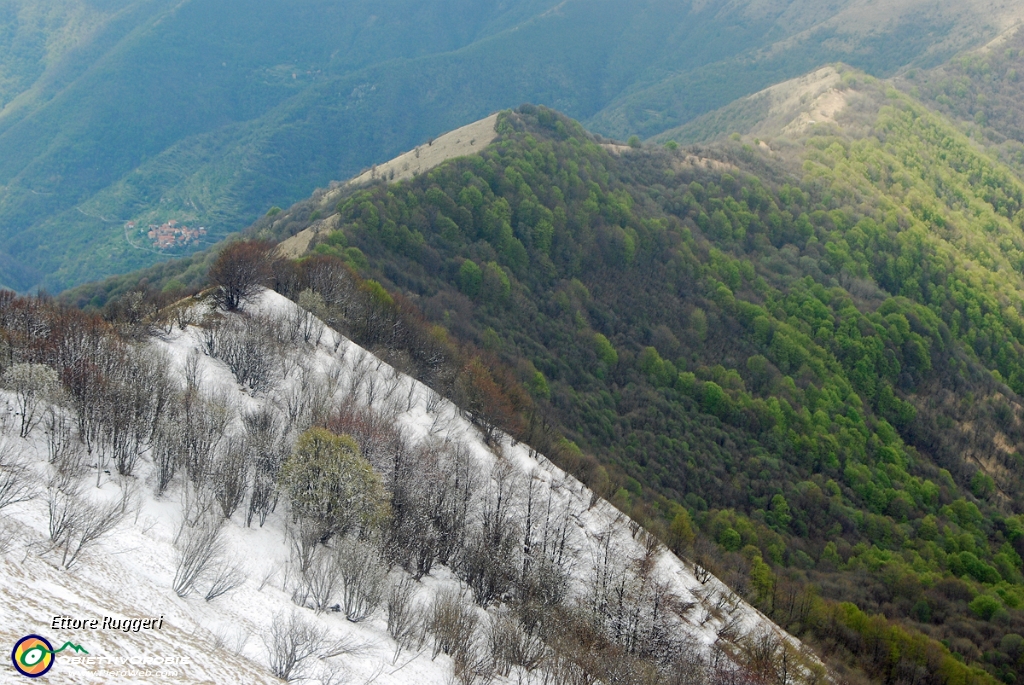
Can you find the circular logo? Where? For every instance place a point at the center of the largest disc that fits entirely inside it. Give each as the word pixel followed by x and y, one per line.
pixel 32 656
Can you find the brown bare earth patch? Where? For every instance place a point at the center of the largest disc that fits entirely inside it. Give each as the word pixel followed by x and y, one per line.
pixel 458 143
pixel 463 141
pixel 299 244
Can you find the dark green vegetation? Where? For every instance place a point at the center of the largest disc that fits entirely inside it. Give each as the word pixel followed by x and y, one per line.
pixel 209 113
pixel 818 359
pixel 982 91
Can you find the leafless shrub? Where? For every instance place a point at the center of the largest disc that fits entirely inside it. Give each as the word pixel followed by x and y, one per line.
pixel 76 523
pixel 701 572
pixel 247 344
pixel 331 673
pixel 404 620
pixel 266 449
pixel 689 666
pixel 167 450
pixel 202 429
pixel 432 490
pixel 305 320
pixel 729 630
pixel 633 607
pixel 8 535
pixel 192 373
pixel 60 442
pixel 320 578
pixel 233 640
pixel 304 536
pixel 548 551
pixel 511 646
pixel 767 657
pixel 119 400
pixel 333 373
pixel 293 644
pixel 319 401
pixel 308 402
pixel 223 578
pixel 434 401
pixel 199 548
pixel 361 361
pixel 363 578
pixel 452 622
pixel 267 576
pixel 16 482
pixel 230 475
pixel 181 315
pixel 296 405
pixel 381 441
pixel 411 396
pixel 472 667
pixel 33 386
pixel 373 388
pixel 489 561
pixel 197 502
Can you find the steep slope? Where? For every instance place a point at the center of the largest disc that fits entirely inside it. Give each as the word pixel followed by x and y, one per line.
pixel 981 90
pixel 815 350
pixel 210 114
pixel 130 572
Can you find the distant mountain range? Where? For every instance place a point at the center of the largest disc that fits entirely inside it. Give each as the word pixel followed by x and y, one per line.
pixel 209 114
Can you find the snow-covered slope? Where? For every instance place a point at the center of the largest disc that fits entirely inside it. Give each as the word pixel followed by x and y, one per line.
pixel 129 573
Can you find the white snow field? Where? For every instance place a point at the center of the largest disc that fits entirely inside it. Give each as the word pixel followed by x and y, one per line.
pixel 129 572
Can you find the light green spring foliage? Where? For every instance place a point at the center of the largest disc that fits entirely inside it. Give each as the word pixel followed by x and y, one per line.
pixel 605 352
pixel 329 481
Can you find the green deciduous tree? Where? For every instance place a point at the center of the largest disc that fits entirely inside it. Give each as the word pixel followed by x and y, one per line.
pixel 332 486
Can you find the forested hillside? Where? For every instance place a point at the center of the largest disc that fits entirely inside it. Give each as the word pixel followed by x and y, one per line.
pixel 812 358
pixel 151 110
pixel 797 357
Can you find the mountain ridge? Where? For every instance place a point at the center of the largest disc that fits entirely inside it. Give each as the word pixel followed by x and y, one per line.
pixel 302 115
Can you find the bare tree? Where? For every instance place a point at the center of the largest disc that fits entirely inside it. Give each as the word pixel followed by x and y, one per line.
pixel 247 344
pixel 240 271
pixel 76 523
pixel 305 536
pixel 511 646
pixel 320 578
pixel 305 319
pixel 8 535
pixel 404 620
pixel 60 442
pixel 16 482
pixel 266 449
pixel 452 621
pixel 293 644
pixel 199 549
pixel 138 392
pixel 223 579
pixel 203 426
pixel 168 446
pixel 332 280
pixel 33 386
pixel 548 552
pixel 432 490
pixel 768 656
pixel 230 475
pixel 489 561
pixel 363 578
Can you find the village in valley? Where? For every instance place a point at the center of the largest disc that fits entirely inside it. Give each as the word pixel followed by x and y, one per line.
pixel 170 235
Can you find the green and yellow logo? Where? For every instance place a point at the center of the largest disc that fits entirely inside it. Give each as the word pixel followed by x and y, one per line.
pixel 33 655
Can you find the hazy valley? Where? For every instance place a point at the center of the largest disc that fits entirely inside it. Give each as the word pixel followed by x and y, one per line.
pixel 718 347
